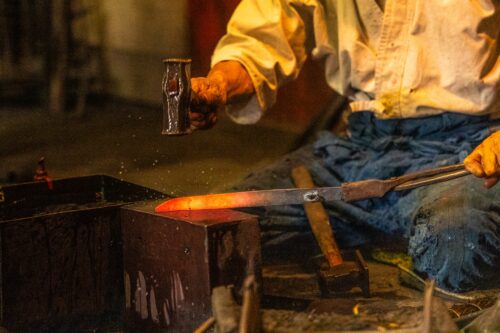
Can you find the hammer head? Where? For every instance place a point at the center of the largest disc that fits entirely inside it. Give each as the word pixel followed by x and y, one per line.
pixel 345 276
pixel 176 90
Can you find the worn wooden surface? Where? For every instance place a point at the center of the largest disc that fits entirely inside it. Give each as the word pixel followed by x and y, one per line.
pixel 294 303
pixel 64 269
pixel 61 253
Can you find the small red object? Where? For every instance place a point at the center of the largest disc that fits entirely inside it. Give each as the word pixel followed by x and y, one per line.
pixel 42 175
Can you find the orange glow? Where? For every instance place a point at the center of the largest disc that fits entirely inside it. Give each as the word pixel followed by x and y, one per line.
pixel 210 201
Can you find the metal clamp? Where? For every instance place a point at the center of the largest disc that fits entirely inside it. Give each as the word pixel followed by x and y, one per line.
pixel 312 196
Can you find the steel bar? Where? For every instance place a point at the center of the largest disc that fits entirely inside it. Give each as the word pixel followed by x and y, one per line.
pixel 348 192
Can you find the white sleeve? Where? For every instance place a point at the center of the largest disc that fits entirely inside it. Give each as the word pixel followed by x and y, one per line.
pixel 268 38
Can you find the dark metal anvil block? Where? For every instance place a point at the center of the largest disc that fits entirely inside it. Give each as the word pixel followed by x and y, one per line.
pixel 172 261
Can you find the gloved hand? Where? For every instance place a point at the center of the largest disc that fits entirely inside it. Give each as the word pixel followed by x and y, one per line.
pixel 227 82
pixel 484 161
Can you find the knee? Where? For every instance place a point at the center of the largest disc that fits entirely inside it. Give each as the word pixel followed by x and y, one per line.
pixel 456 242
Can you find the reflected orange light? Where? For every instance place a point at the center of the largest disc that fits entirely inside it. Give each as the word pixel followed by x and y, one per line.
pixel 209 201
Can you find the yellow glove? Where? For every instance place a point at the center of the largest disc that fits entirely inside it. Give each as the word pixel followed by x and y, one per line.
pixel 484 161
pixel 227 82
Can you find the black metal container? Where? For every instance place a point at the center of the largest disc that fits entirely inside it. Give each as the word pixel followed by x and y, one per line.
pixel 61 266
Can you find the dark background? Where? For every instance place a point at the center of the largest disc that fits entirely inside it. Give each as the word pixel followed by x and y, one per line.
pixel 80 86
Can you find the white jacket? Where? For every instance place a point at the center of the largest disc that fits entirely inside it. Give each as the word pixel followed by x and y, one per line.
pixel 415 58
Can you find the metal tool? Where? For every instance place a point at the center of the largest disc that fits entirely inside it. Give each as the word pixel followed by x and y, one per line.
pixel 250 320
pixel 365 189
pixel 352 273
pixel 230 317
pixel 205 326
pixel 176 90
pixel 337 274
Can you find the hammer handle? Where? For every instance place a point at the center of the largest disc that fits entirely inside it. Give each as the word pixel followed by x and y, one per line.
pixel 318 219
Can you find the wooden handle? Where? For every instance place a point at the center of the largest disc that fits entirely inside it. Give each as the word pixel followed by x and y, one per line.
pixel 250 310
pixel 318 219
pixel 207 324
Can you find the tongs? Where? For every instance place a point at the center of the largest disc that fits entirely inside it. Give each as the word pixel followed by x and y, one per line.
pixel 377 188
pixel 353 191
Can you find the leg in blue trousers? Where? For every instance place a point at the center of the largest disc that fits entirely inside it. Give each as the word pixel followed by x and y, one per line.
pixel 452 228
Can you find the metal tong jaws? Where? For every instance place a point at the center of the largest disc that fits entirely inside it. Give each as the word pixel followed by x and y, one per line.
pixel 377 188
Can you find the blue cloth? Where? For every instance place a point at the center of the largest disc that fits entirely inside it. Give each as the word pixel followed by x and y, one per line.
pixel 451 229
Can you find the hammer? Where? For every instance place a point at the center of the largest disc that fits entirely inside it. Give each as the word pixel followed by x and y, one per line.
pixel 338 275
pixel 176 91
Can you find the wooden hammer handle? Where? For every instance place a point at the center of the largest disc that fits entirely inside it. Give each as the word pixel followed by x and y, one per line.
pixel 318 219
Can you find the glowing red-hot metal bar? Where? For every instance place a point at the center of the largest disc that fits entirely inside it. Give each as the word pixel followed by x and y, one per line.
pixel 250 199
pixel 210 201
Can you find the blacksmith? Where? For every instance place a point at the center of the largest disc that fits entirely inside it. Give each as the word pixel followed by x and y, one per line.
pixel 422 78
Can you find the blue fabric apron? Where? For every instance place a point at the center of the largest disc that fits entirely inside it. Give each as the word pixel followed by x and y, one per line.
pixel 452 229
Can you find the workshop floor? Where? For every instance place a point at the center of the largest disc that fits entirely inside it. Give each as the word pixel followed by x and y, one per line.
pixel 125 142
